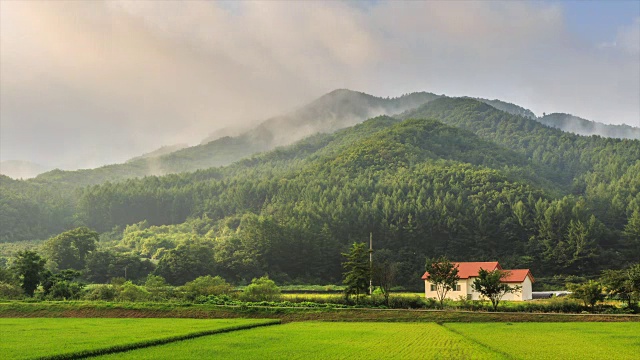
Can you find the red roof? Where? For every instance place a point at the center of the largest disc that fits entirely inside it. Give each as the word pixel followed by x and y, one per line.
pixel 518 276
pixel 471 269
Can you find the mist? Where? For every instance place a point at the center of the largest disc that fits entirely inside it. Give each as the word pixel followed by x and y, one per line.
pixel 83 84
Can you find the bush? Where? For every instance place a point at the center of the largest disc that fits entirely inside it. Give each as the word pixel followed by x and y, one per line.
pixel 206 286
pixel 131 292
pixel 65 290
pixel 102 292
pixel 262 289
pixel 10 291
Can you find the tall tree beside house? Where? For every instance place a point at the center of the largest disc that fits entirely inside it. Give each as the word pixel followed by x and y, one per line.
pixel 490 285
pixel 356 270
pixel 443 275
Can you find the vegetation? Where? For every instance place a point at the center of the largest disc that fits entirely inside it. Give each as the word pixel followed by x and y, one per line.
pixel 490 285
pixel 443 275
pixel 28 268
pixel 357 271
pixel 262 289
pixel 590 292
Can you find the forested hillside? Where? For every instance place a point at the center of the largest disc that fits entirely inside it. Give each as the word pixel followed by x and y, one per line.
pixel 454 176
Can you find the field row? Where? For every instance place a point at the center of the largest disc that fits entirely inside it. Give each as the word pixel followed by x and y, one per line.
pixel 326 340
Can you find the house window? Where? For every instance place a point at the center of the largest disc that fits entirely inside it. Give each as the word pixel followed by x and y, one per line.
pixel 433 287
pixel 457 288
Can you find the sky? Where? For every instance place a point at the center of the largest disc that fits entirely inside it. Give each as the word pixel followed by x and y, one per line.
pixel 87 83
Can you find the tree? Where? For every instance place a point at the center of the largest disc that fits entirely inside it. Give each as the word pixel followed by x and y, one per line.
pixel 29 269
pixel 65 278
pixel 356 270
pixel 590 292
pixel 443 275
pixel 384 275
pixel 490 285
pixel 69 249
pixel 617 283
pixel 186 262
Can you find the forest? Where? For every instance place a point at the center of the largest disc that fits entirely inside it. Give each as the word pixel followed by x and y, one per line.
pixel 454 177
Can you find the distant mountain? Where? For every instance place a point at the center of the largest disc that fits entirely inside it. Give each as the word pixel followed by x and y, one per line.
pixel 159 152
pixel 508 107
pixel 17 169
pixel 580 126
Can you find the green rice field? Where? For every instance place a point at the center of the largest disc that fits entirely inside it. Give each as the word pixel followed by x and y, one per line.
pixel 39 337
pixel 556 340
pixel 247 339
pixel 324 340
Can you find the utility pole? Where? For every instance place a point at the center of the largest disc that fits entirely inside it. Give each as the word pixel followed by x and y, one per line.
pixel 370 263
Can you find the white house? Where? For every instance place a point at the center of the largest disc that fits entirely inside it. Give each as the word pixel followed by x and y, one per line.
pixel 467 271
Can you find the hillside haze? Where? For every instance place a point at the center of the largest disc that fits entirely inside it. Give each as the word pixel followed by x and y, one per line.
pixel 580 126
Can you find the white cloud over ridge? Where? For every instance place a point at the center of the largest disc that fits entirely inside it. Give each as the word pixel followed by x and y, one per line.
pixel 87 83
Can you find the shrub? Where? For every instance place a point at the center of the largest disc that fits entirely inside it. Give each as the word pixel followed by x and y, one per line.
pixel 10 291
pixel 262 289
pixel 65 290
pixel 590 292
pixel 131 292
pixel 102 292
pixel 205 286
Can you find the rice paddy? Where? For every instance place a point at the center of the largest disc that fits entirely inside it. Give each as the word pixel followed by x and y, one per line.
pixel 107 339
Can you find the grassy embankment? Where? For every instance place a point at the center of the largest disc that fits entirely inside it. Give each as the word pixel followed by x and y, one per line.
pixel 169 310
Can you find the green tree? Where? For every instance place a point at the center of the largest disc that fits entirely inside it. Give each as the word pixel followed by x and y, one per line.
pixel 385 274
pixel 70 249
pixel 186 262
pixel 490 285
pixel 261 289
pixel 443 274
pixel 29 269
pixel 590 292
pixel 356 270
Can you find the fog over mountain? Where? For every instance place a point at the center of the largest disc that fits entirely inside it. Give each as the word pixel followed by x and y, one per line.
pixel 21 169
pixel 577 125
pixel 87 83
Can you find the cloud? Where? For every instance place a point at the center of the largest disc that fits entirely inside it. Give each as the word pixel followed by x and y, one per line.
pixel 87 83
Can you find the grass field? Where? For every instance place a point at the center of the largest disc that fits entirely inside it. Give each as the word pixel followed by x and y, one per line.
pixel 39 337
pixel 324 340
pixel 556 340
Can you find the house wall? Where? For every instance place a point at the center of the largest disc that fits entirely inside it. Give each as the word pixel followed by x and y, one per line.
pixel 452 294
pixel 466 289
pixel 525 292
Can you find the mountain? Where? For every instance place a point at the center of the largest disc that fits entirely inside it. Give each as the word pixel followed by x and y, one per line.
pixel 335 110
pixel 508 107
pixel 453 176
pixel 580 126
pixel 21 169
pixel 159 152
